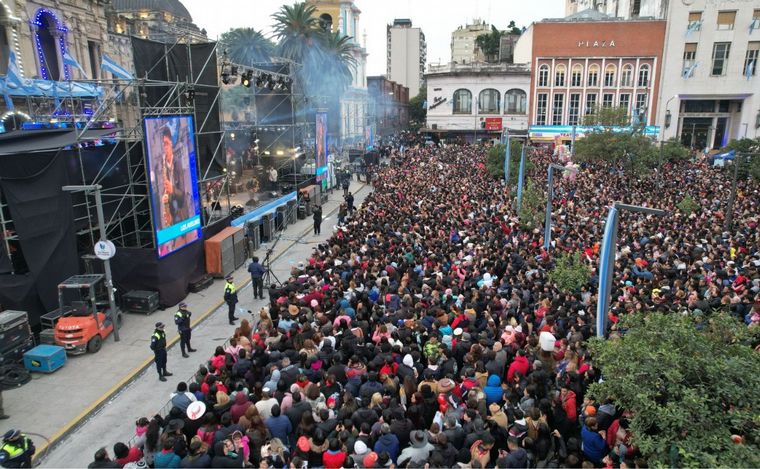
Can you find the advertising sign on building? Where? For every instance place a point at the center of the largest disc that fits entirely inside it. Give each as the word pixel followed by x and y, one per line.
pixel 493 123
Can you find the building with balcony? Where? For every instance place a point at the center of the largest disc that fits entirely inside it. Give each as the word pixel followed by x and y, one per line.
pixel 464 48
pixel 710 86
pixel 406 55
pixel 588 61
pixel 477 101
pixel 343 16
pixel 389 105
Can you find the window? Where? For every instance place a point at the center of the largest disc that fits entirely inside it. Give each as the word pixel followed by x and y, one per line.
pixel 689 54
pixel 643 76
pixel 609 76
pixel 574 110
pixel 541 108
pixel 635 8
pixel 626 77
pixel 750 61
pixel 94 52
pixel 515 102
pixel 488 101
pixel 625 102
pixel 576 78
pixel 641 107
pixel 543 75
pixel 559 76
pixel 695 21
pixel 558 108
pixel 462 102
pixel 593 75
pixel 720 58
pixel 590 103
pixel 608 99
pixel 726 20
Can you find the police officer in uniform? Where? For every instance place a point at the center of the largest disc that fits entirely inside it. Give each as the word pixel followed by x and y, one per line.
pixel 158 345
pixel 230 297
pixel 182 320
pixel 17 450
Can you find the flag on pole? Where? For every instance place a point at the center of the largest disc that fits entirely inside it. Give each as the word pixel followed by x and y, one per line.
pixel 693 26
pixel 109 65
pixel 688 72
pixel 749 69
pixel 69 60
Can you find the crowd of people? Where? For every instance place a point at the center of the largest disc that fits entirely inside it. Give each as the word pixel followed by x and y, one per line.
pixel 411 337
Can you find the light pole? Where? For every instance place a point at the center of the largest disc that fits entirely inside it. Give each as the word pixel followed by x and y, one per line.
pixel 95 189
pixel 607 259
pixel 506 158
pixel 520 178
pixel 549 197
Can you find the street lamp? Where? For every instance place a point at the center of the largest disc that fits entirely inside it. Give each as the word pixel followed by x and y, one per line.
pixel 95 189
pixel 520 179
pixel 549 196
pixel 607 259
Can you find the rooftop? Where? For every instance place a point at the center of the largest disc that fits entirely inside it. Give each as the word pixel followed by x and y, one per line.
pixel 174 7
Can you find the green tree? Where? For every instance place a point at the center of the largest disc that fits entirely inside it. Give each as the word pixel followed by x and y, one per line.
pixel 335 60
pixel 417 111
pixel 495 161
pixel 690 383
pixel 246 46
pixel 687 205
pixel 570 273
pixel 673 151
pixel 531 213
pixel 746 146
pixel 490 43
pixel 513 29
pixel 297 31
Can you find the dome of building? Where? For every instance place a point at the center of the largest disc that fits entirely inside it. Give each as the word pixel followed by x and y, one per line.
pixel 173 7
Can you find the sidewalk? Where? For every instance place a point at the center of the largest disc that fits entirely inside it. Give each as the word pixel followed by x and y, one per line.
pixel 94 400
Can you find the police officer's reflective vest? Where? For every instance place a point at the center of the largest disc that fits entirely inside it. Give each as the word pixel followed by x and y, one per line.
pixel 158 336
pixel 181 320
pixel 229 286
pixel 12 450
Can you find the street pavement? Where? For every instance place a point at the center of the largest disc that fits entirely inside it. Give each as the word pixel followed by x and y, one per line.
pixel 95 400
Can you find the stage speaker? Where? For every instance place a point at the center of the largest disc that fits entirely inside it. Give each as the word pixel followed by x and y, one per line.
pixel 268 228
pixel 238 242
pixel 253 230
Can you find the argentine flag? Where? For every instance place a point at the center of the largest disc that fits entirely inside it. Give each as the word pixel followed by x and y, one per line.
pixel 110 65
pixel 72 62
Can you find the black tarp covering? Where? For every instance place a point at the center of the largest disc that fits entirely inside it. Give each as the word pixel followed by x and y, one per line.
pixel 140 269
pixel 43 219
pixel 195 63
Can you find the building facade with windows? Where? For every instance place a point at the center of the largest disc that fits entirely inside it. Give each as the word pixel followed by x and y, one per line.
pixel 406 55
pixel 710 87
pixel 477 100
pixel 580 63
pixel 389 105
pixel 464 48
pixel 626 9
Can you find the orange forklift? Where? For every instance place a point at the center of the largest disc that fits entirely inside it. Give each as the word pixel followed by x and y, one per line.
pixel 83 320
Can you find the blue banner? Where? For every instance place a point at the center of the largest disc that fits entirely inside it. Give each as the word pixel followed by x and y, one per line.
pixel 175 231
pixel 264 209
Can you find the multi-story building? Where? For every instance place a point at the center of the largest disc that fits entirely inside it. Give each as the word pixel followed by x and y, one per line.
pixel 579 64
pixel 342 16
pixel 710 87
pixel 464 48
pixel 163 21
pixel 406 55
pixel 507 48
pixel 476 101
pixel 40 32
pixel 627 9
pixel 389 105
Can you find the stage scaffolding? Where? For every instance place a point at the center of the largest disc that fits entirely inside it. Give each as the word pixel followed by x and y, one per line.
pixel 128 210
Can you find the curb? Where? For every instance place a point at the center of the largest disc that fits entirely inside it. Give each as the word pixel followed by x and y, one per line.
pixel 72 425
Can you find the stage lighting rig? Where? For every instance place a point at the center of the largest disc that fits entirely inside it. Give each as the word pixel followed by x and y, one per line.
pixel 246 78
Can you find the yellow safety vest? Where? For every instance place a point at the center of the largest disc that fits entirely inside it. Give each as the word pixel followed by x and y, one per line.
pixel 12 450
pixel 229 286
pixel 157 335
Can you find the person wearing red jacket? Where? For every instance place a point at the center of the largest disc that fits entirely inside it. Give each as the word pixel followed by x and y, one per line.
pixel 569 404
pixel 520 363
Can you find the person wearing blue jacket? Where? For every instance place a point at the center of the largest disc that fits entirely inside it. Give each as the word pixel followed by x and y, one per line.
pixel 594 445
pixel 493 390
pixel 388 442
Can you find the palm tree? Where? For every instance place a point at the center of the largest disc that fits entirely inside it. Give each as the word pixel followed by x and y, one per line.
pixel 246 46
pixel 297 30
pixel 336 61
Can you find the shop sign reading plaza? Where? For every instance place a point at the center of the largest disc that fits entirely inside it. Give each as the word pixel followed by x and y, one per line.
pixel 596 43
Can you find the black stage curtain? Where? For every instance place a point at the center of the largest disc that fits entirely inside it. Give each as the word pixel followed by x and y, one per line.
pixel 178 63
pixel 44 221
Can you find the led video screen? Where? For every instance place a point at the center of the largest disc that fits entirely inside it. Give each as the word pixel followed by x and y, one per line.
pixel 171 159
pixel 321 151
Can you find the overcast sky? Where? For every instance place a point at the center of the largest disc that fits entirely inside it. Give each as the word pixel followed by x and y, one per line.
pixel 437 18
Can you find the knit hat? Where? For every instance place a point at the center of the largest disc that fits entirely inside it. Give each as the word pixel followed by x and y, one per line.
pixel 370 460
pixel 360 448
pixel 408 360
pixel 303 444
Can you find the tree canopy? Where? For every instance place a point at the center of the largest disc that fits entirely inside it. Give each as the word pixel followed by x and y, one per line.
pixel 690 383
pixel 246 46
